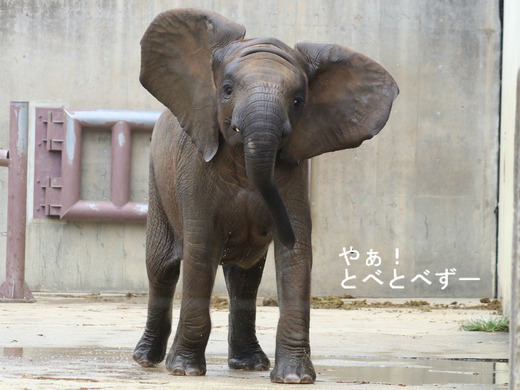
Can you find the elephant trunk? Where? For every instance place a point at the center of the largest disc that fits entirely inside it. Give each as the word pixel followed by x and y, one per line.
pixel 260 149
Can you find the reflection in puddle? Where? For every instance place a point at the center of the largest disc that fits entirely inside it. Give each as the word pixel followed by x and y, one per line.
pixel 13 352
pixel 91 364
pixel 415 371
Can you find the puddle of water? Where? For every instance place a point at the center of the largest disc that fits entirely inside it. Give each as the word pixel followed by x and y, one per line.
pixel 415 371
pixel 89 364
pixel 97 365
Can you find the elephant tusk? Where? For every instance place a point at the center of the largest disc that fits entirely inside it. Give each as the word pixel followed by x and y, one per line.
pixel 237 129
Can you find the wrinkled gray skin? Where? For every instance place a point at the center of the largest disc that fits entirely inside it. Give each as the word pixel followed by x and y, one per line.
pixel 229 174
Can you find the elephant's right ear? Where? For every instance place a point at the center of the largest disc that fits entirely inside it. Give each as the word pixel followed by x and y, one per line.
pixel 176 52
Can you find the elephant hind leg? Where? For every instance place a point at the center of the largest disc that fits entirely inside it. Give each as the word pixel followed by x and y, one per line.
pixel 163 258
pixel 244 350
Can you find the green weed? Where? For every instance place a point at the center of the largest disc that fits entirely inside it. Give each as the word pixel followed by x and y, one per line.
pixel 492 324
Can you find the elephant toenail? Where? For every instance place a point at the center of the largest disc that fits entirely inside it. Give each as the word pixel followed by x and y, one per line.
pixel 178 371
pixel 307 379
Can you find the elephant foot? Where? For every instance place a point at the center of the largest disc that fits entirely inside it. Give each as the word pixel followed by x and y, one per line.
pixel 252 359
pixel 290 371
pixel 178 364
pixel 150 350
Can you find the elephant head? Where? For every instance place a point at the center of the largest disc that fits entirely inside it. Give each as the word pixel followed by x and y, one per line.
pixel 282 104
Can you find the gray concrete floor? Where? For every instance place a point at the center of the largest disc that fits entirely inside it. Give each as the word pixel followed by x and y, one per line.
pixel 82 342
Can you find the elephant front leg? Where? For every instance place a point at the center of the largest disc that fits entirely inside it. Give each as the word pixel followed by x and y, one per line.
pixel 163 268
pixel 186 356
pixel 244 350
pixel 293 353
pixel 151 348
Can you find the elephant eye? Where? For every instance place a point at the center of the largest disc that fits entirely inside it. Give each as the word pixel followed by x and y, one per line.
pixel 297 103
pixel 227 89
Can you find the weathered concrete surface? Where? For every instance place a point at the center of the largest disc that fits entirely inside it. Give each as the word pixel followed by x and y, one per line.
pixel 86 342
pixel 508 155
pixel 515 288
pixel 425 185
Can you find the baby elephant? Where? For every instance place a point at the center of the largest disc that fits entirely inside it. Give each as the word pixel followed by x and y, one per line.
pixel 229 174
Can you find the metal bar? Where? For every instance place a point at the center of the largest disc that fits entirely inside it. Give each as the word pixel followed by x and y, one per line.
pixel 4 158
pixel 103 211
pixel 71 165
pixel 121 163
pixel 14 287
pixel 139 120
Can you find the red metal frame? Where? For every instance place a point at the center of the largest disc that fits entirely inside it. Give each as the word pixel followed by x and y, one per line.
pixel 15 288
pixel 48 143
pixel 121 123
pixel 58 176
pixel 59 188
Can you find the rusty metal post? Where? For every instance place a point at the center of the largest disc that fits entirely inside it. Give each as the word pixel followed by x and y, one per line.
pixel 14 288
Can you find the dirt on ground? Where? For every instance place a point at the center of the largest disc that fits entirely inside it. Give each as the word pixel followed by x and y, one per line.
pixel 219 303
pixel 345 302
pixel 348 302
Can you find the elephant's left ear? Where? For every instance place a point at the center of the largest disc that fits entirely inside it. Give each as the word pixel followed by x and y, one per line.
pixel 349 100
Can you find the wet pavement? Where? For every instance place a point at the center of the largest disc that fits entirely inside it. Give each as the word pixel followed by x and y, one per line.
pixel 86 342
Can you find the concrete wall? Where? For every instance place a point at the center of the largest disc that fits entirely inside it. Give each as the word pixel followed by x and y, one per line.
pixel 426 185
pixel 510 66
pixel 509 244
pixel 514 361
